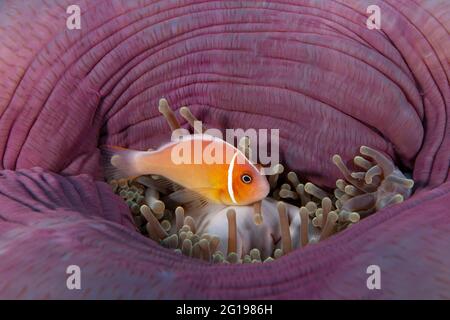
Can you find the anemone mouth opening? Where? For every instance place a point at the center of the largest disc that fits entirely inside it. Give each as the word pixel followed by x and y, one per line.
pixel 295 213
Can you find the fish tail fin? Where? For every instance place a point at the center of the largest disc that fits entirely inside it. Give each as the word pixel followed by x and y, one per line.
pixel 120 163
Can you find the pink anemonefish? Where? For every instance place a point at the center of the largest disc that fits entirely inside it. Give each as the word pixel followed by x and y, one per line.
pixel 233 181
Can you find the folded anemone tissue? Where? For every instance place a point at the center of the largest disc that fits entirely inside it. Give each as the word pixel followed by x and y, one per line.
pixel 224 149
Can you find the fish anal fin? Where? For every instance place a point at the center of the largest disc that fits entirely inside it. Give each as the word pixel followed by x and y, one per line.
pixel 187 196
pixel 194 199
pixel 168 184
pixel 160 184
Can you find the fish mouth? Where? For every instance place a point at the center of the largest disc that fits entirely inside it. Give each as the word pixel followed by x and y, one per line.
pixel 316 73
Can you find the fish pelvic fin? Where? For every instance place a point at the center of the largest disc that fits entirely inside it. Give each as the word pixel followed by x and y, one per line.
pixel 120 163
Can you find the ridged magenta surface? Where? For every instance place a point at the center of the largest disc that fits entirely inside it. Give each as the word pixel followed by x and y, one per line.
pixel 309 68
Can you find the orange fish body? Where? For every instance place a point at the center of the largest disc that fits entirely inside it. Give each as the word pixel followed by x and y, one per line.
pixel 204 164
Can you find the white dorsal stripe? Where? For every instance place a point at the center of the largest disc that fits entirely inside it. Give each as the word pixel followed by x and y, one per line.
pixel 230 178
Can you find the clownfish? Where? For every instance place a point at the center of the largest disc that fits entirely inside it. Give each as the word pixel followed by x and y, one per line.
pixel 210 167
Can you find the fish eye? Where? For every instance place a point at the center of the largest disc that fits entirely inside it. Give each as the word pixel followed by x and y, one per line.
pixel 246 178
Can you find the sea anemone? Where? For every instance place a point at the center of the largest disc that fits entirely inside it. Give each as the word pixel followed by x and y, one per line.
pixel 315 70
pixel 293 215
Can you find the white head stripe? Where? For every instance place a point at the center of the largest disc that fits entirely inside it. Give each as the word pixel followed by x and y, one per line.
pixel 230 178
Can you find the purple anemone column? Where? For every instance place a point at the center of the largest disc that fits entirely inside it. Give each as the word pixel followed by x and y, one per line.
pixel 309 68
